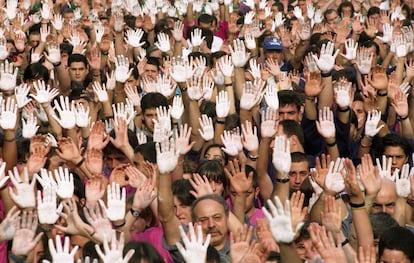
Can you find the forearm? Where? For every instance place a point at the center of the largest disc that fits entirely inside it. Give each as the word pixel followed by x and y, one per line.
pixel 119 44
pixel 288 253
pixel 119 93
pixel 310 108
pixel 240 80
pixel 264 181
pixel 325 98
pixel 64 80
pixel 281 189
pixel 332 148
pixel 365 146
pixel 406 127
pixel 361 222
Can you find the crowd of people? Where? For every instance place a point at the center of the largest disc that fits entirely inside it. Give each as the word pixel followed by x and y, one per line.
pixel 207 131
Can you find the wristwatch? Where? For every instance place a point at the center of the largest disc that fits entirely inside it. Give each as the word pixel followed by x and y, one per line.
pixel 135 213
pixel 283 180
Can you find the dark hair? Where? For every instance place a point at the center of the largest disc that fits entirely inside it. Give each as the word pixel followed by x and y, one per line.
pixel 66 47
pixel 346 73
pixel 207 33
pixel 373 10
pixel 298 157
pixel 209 108
pixel 143 251
pixel 249 169
pixel 35 29
pixel 212 255
pixel 288 97
pixel 291 127
pixel 395 140
pixel 148 151
pixel 370 43
pixel 153 100
pixel 36 71
pixel 154 61
pixel 397 238
pixel 132 139
pixel 181 190
pixel 77 58
pixel 205 18
pixel 214 171
pixel 328 12
pixel 345 4
pixel 213 197
pixel 216 145
pixel 380 222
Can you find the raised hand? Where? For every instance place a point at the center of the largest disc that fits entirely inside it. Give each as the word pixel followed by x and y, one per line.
pixel 250 140
pixel 24 195
pixel 116 202
pixel 385 168
pixel 251 94
pixel 195 90
pixel 177 108
pixel 195 249
pixel 53 50
pixel 222 104
pixel 182 140
pixel 67 116
pixel 240 242
pixel 400 103
pixel 271 97
pixel 113 254
pixel 64 180
pixel 122 112
pixel 60 253
pixel 44 93
pixel 364 61
pixel 10 9
pixel 97 137
pixel 46 207
pixel 326 125
pixel 8 225
pixel 21 92
pixel 207 128
pixel 343 94
pixel 402 183
pixel 100 223
pixel 231 142
pixel 167 157
pixel 250 41
pixel 387 33
pixel 29 126
pixel 57 22
pixel 373 118
pixel 201 185
pixel 144 195
pixel 325 244
pixel 8 115
pixel 133 95
pixel 350 49
pixel 82 116
pixel 226 66
pixel 165 86
pixel 281 155
pixel 268 127
pixel 163 42
pixel 370 178
pixel 122 71
pixel 326 60
pixel 24 239
pixel 100 91
pixel 280 221
pixel 94 190
pixel 239 56
pixel 334 180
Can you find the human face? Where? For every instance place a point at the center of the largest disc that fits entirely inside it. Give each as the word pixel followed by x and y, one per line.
pixel 299 171
pixel 250 194
pixel 358 107
pixel 393 256
pixel 275 55
pixel 150 71
pixel 332 18
pixel 212 217
pixel 214 153
pixel 182 212
pixel 386 198
pixel 112 160
pixel 398 156
pixel 34 40
pixel 150 115
pixel 78 71
pixel 217 187
pixel 289 112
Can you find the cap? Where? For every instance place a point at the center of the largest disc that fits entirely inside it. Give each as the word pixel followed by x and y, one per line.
pixel 272 43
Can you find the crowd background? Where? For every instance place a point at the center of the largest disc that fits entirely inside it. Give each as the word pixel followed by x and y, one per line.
pixel 207 131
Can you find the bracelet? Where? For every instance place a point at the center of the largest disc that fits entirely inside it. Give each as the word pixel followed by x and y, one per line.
pixel 326 75
pixel 359 208
pixel 310 98
pixel 357 205
pixel 399 118
pixel 57 64
pixel 346 241
pixel 10 140
pixel 80 162
pixel 331 144
pixel 382 94
pixel 228 84
pixel 252 157
pixel 344 110
pixel 121 225
pixel 220 122
pixel 365 145
pixel 18 259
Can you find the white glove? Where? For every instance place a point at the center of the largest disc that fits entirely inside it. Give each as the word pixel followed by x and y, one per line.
pixel 163 43
pixel 387 33
pixel 238 53
pixel 279 21
pixel 53 50
pixel 82 116
pixel 57 22
pixel 46 207
pixel 342 94
pixel 194 89
pixel 351 49
pixel 226 66
pixel 373 117
pixel 116 202
pixel 251 96
pixel 180 70
pixel 250 41
pixel 310 10
pixel 196 37
pixel 326 124
pixel 177 108
pixel 100 91
pixel 271 97
pixel 122 71
pixel 281 155
pixel 21 92
pixel 248 18
pixel 254 69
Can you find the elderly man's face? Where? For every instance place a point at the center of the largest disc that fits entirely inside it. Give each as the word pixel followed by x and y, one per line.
pixel 386 198
pixel 213 220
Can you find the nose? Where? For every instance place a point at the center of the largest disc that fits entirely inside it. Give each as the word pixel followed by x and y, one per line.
pixel 211 223
pixel 213 186
pixel 297 179
pixel 384 209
